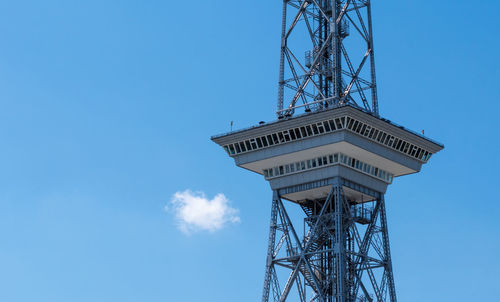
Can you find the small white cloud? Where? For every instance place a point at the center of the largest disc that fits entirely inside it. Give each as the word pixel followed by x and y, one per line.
pixel 195 212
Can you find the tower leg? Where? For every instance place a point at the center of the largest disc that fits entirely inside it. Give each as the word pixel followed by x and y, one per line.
pixel 387 250
pixel 339 248
pixel 343 255
pixel 270 273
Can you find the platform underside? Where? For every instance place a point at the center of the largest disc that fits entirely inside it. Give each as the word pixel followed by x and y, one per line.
pixel 322 192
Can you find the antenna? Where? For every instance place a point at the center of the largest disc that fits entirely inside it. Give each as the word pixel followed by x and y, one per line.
pixel 338 65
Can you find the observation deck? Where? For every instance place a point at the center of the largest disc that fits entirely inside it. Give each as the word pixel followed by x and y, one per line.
pixel 300 156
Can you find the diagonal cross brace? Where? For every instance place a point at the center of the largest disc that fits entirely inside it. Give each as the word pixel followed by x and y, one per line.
pixel 303 249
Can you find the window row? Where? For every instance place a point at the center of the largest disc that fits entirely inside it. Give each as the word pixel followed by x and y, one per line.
pixel 387 139
pixel 286 136
pixel 325 127
pixel 327 160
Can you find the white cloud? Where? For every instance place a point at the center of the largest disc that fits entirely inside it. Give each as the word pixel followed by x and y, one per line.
pixel 195 212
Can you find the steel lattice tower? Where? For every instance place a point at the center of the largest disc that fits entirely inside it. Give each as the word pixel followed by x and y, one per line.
pixel 339 65
pixel 335 161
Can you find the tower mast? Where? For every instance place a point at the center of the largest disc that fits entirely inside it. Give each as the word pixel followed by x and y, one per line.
pixel 335 162
pixel 338 67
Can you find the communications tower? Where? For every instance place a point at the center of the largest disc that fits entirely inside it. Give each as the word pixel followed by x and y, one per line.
pixel 334 159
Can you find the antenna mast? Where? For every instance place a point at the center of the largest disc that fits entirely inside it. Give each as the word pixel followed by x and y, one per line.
pixel 338 67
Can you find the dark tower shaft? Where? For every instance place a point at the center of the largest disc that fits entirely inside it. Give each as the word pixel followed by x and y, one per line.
pixel 338 67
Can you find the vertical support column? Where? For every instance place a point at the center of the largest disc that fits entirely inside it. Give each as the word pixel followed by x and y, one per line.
pixel 372 61
pixel 387 251
pixel 270 248
pixel 281 80
pixel 336 50
pixel 339 246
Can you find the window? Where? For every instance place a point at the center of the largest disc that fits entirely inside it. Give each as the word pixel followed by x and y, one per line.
pixel 292 168
pixel 281 137
pixel 382 138
pixel 231 149
pixel 400 142
pixel 242 146
pixel 395 142
pixel 320 161
pixel 419 153
pixel 387 138
pixel 297 165
pixel 315 128
pixel 303 131
pixel 309 130
pixel 302 165
pixel 356 127
pixel 351 124
pixel 281 170
pixel 275 139
pixel 264 141
pixel 297 133
pixel 391 141
pixel 363 128
pixel 424 158
pixel 332 124
pixel 266 173
pixel 309 166
pixel 292 134
pixel 428 156
pixel 367 130
pixel 407 147
pixel 321 129
pixel 330 158
pixel 259 142
pixel 336 157
pixel 286 135
pixel 339 123
pixel 270 140
pixel 402 146
pixel 253 143
pixel 413 151
pixel 287 169
pixel 326 126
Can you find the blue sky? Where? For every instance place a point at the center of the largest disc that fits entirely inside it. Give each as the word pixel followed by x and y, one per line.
pixel 107 107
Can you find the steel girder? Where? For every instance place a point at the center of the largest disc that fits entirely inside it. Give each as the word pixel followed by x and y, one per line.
pixel 338 258
pixel 338 66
